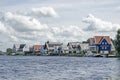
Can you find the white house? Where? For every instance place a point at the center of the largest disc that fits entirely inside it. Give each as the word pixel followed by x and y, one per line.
pixel 64 49
pixel 74 47
pixel 18 47
pixel 53 47
pixel 84 46
pixel 77 47
pixel 26 49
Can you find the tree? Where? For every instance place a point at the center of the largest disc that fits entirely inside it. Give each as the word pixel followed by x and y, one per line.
pixel 86 41
pixel 1 53
pixel 9 51
pixel 117 43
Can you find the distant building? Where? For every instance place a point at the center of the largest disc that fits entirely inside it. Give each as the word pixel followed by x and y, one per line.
pixel 26 48
pixel 53 47
pixel 77 47
pixel 64 49
pixel 36 48
pixel 84 46
pixel 101 44
pixel 18 47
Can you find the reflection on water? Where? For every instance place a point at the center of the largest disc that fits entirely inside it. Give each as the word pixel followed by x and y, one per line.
pixel 58 68
pixel 118 67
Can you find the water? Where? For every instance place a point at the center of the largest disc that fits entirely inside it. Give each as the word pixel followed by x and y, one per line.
pixel 58 68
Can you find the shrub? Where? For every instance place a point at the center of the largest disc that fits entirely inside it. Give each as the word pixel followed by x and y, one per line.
pixel 94 51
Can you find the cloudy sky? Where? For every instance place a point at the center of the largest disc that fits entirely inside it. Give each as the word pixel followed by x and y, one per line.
pixel 37 21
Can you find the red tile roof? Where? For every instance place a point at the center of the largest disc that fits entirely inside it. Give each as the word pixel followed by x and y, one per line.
pixel 36 47
pixel 98 39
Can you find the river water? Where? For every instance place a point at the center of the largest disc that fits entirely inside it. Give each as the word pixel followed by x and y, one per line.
pixel 58 68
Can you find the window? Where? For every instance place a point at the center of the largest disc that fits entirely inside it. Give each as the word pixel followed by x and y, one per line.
pixel 105 42
pixel 105 47
pixel 102 47
pixel 102 42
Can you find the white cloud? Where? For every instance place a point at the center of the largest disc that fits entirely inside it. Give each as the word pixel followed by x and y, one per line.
pixel 39 12
pixel 118 8
pixel 68 31
pixel 96 24
pixel 2 28
pixel 44 12
pixel 23 23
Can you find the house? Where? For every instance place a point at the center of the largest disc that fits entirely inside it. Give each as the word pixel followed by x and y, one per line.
pixel 53 47
pixel 112 47
pixel 84 46
pixel 36 48
pixel 18 48
pixel 74 47
pixel 42 50
pixel 77 47
pixel 21 49
pixel 64 49
pixel 26 50
pixel 101 44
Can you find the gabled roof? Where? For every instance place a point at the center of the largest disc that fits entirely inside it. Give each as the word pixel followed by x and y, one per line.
pixel 51 45
pixel 20 46
pixel 16 46
pixel 84 46
pixel 98 39
pixel 74 44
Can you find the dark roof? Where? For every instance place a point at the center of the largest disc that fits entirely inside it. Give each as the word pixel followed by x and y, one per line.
pixel 22 46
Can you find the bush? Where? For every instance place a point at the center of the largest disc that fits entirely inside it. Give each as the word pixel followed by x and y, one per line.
pixel 74 51
pixel 1 53
pixel 19 53
pixel 9 51
pixel 94 51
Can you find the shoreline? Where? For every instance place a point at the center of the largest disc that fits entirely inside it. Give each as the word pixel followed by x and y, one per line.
pixel 62 56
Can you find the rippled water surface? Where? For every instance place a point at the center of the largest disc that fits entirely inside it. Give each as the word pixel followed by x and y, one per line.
pixel 58 68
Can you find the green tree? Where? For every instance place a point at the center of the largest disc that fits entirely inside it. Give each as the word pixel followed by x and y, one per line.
pixel 9 51
pixel 117 43
pixel 1 53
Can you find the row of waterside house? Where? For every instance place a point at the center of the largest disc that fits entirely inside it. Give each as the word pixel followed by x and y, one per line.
pixel 100 44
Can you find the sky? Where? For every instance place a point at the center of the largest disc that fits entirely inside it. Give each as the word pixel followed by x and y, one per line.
pixel 37 21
